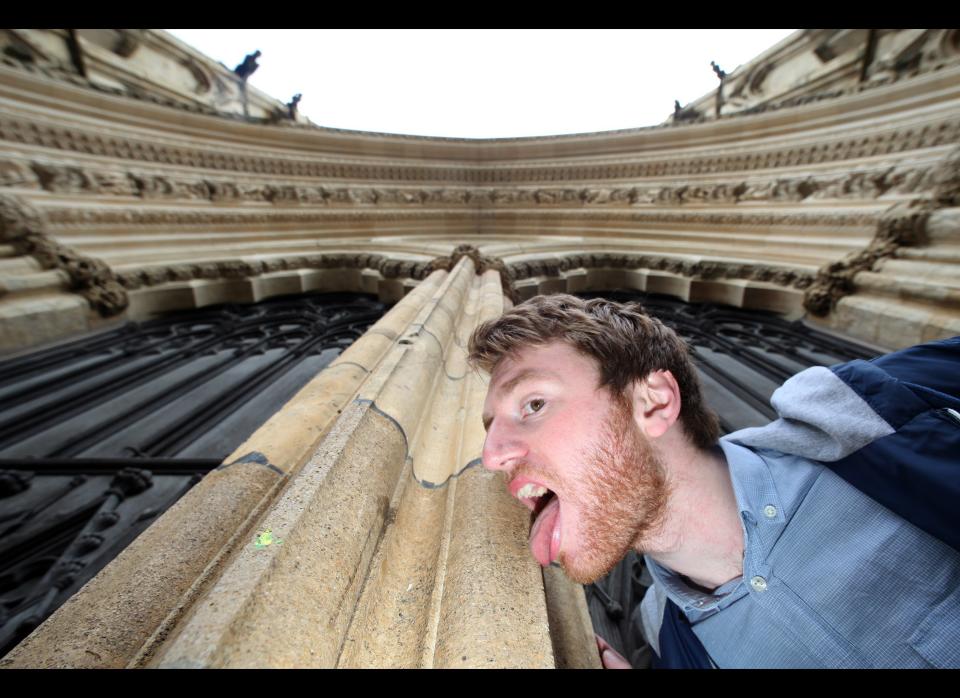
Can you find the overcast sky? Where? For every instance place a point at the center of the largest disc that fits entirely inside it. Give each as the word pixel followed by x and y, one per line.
pixel 489 83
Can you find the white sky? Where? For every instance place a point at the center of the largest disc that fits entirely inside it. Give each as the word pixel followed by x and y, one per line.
pixel 485 83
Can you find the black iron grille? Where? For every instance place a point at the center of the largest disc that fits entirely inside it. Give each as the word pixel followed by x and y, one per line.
pixel 101 435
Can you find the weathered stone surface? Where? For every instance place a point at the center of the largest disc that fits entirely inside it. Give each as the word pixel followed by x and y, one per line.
pixel 147 587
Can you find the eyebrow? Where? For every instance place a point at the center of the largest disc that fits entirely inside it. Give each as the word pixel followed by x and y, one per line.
pixel 525 374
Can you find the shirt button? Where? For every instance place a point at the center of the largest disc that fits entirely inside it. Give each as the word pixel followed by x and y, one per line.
pixel 758 583
pixel 770 511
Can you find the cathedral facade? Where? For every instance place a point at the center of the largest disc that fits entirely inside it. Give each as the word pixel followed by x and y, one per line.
pixel 139 178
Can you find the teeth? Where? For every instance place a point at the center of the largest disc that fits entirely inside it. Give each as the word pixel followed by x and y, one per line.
pixel 531 490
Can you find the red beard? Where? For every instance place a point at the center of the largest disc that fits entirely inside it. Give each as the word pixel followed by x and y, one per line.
pixel 621 496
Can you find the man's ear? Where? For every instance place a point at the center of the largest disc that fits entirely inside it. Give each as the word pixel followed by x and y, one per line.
pixel 656 403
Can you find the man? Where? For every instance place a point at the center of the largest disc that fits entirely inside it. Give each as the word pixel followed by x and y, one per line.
pixel 760 557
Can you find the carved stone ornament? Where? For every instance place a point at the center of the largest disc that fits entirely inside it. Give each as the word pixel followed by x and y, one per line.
pixel 902 225
pixel 855 185
pixel 234 269
pixel 19 129
pixel 17 174
pixel 709 269
pixel 945 180
pixel 25 226
pixel 862 184
pixel 203 82
pixel 388 268
pixel 481 263
pixel 18 218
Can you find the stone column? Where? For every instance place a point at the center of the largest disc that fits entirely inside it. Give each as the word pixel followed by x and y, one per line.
pixel 387 545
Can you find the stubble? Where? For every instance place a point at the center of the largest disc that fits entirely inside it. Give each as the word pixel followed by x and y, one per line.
pixel 623 492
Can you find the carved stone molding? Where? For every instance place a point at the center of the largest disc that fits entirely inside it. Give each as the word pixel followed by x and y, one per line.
pixel 34 132
pixel 931 51
pixel 509 273
pixel 23 225
pixel 703 269
pixel 902 225
pixel 389 268
pixel 868 184
pixel 137 216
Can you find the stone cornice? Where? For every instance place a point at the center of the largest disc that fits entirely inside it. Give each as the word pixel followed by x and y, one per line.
pixel 236 269
pixel 144 150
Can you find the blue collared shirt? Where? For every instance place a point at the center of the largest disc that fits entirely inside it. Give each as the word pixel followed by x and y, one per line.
pixel 830 577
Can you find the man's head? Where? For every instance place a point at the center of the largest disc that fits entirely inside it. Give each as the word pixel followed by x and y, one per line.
pixel 572 382
pixel 626 344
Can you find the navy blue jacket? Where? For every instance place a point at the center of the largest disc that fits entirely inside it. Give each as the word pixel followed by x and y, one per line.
pixel 900 444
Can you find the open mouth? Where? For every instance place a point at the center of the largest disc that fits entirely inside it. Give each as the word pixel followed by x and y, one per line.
pixel 544 507
pixel 539 504
pixel 534 496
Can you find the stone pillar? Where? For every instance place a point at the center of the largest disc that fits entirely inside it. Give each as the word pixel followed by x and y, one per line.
pixel 388 546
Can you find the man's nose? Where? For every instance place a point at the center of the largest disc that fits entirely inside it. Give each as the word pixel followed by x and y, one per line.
pixel 502 450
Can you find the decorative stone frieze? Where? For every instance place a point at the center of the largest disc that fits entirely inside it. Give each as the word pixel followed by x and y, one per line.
pixel 84 140
pixel 18 219
pixel 868 184
pixel 178 217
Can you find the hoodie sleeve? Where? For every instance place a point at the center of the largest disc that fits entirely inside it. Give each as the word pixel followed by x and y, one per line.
pixel 890 427
pixel 826 414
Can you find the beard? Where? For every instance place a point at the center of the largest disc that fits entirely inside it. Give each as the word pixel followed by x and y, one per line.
pixel 622 492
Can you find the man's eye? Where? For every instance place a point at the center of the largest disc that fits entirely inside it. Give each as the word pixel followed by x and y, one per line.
pixel 534 406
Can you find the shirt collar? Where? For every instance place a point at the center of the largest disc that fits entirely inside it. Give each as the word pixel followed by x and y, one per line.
pixel 757 500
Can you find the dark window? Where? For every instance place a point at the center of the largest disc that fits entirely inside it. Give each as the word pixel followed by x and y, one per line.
pixel 101 435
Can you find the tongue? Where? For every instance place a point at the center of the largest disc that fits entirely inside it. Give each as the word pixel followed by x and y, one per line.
pixel 542 533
